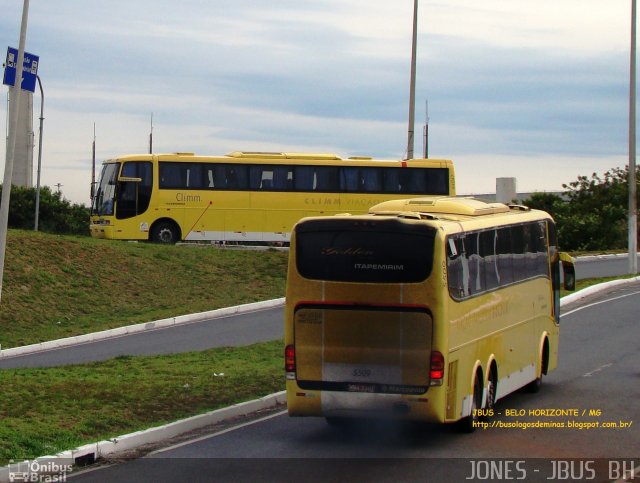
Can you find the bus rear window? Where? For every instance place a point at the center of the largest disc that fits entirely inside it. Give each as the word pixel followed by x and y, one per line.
pixel 375 251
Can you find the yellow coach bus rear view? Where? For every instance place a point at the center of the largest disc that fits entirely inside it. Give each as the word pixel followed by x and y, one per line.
pixel 425 309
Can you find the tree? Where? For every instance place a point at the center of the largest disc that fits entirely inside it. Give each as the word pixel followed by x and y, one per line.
pixel 592 214
pixel 56 215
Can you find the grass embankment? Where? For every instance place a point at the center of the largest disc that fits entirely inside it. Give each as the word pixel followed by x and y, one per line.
pixel 45 411
pixel 60 286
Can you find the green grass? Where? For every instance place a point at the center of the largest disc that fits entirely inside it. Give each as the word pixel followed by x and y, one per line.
pixel 60 286
pixel 45 411
pixel 588 282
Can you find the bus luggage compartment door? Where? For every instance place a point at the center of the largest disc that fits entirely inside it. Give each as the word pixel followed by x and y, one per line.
pixel 363 349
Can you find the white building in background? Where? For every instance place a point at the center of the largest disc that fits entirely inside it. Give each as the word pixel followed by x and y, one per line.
pixel 506 190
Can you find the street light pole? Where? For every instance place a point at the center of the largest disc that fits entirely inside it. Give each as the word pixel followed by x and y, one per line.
pixel 633 203
pixel 412 86
pixel 14 109
pixel 37 216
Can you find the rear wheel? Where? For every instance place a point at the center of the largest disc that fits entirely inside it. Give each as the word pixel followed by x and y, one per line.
pixel 165 232
pixel 492 386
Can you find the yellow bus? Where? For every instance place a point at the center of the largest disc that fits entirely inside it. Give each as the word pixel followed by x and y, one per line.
pixel 245 196
pixel 424 309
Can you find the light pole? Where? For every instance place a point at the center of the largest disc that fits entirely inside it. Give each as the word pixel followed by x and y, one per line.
pixel 8 166
pixel 412 85
pixel 633 203
pixel 37 216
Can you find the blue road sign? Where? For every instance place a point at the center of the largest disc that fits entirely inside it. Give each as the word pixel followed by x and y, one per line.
pixel 29 69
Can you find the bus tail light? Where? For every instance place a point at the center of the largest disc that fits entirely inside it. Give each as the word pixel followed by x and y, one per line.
pixel 437 368
pixel 290 361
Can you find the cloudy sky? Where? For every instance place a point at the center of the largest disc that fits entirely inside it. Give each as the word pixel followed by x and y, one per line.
pixel 532 89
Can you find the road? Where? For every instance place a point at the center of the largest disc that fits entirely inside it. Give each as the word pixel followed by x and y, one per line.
pixel 598 374
pixel 234 330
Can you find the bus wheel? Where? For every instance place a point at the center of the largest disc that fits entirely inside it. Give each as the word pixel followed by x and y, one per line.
pixel 164 232
pixel 492 386
pixel 469 423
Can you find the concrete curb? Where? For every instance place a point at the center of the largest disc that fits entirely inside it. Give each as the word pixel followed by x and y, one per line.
pixel 593 289
pixel 132 329
pixel 51 465
pixel 591 258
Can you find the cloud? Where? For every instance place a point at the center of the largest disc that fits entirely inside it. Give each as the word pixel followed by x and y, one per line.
pixel 522 83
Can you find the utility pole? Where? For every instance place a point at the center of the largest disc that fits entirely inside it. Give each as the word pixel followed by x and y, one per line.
pixel 633 202
pixel 93 165
pixel 151 136
pixel 412 85
pixel 58 185
pixel 14 109
pixel 426 130
pixel 37 216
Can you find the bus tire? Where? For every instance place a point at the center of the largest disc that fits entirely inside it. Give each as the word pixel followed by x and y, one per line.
pixel 492 386
pixel 468 424
pixel 165 231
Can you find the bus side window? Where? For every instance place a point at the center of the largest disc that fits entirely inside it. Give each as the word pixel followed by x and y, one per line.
pixel 327 179
pixel 349 179
pixel 488 241
pixel 303 178
pixel 194 176
pixel 392 180
pixel 371 179
pixel 476 264
pixel 457 268
pixel 518 253
pixel 281 177
pixel 504 255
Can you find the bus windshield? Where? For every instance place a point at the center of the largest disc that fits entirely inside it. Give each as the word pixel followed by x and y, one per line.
pixel 105 194
pixel 375 251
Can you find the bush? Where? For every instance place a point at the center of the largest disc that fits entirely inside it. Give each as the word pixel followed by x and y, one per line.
pixel 593 213
pixel 56 215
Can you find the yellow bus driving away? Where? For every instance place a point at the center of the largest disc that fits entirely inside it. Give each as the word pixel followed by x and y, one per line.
pixel 424 309
pixel 247 196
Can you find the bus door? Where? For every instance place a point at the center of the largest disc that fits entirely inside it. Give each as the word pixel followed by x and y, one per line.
pixel 134 189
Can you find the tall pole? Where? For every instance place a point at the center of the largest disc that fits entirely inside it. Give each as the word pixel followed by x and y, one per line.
pixel 426 130
pixel 93 165
pixel 39 154
pixel 14 109
pixel 633 203
pixel 151 136
pixel 412 86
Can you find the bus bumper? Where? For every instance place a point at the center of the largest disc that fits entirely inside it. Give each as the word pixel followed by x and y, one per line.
pixel 334 404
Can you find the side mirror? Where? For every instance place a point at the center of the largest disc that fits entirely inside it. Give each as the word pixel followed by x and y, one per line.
pixel 568 271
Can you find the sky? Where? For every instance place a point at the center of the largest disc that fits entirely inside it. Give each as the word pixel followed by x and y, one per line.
pixel 532 89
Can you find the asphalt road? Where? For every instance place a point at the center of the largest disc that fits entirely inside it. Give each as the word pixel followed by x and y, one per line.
pixel 236 330
pixel 233 330
pixel 598 377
